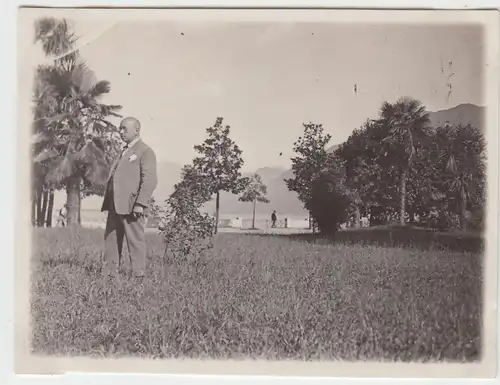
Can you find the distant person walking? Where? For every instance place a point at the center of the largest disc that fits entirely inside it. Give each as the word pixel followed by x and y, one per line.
pixel 61 219
pixel 131 183
pixel 273 219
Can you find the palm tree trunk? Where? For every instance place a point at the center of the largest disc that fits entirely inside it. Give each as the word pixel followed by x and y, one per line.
pixel 79 208
pixel 463 208
pixel 253 217
pixel 44 207
pixel 73 200
pixel 39 196
pixel 402 211
pixel 217 205
pixel 33 207
pixel 50 208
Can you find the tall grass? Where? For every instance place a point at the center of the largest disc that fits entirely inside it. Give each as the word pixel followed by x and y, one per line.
pixel 272 297
pixel 407 237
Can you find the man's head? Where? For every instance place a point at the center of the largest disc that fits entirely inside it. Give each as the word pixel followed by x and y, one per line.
pixel 130 129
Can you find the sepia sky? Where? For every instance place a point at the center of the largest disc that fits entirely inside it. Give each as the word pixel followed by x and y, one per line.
pixel 267 79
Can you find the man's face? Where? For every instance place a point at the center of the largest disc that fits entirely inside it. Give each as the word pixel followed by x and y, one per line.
pixel 128 131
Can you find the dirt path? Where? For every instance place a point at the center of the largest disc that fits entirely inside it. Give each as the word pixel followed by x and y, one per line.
pixel 248 231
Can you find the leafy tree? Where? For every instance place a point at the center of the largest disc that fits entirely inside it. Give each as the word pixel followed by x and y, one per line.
pixel 407 124
pixel 255 192
pixel 346 156
pixel 328 202
pixel 312 158
pixel 420 193
pixel 219 163
pixel 369 183
pixel 73 139
pixel 359 169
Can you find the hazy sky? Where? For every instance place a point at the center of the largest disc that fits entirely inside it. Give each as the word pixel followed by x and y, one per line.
pixel 267 79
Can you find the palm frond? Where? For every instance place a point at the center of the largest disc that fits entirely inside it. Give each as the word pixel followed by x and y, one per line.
pixel 40 138
pixel 96 176
pixel 100 88
pixel 95 163
pixel 99 143
pixel 55 118
pixel 54 35
pixel 110 110
pixel 83 78
pixel 91 153
pixel 61 168
pixel 44 155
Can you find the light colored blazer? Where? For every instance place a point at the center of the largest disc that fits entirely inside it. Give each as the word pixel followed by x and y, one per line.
pixel 133 178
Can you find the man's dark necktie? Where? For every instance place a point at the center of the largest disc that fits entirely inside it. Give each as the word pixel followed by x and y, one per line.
pixel 124 150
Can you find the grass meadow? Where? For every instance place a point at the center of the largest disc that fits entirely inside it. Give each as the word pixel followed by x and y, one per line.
pixel 271 297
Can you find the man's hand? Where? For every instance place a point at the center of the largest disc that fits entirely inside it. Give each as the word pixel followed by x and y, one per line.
pixel 138 211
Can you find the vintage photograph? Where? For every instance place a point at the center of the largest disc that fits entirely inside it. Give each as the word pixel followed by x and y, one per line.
pixel 258 186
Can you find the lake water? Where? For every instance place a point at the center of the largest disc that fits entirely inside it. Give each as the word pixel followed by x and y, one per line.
pixel 96 218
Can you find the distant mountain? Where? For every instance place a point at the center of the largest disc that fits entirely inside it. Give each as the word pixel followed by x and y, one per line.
pixel 461 114
pixel 333 148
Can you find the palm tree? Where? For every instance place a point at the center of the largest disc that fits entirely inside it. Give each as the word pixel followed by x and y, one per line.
pixel 57 41
pixel 255 192
pixel 462 155
pixel 75 139
pixel 408 124
pixel 72 138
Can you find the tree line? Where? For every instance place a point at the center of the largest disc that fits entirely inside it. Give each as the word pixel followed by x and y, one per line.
pixel 396 168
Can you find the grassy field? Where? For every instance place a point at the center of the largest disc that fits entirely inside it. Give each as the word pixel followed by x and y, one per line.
pixel 259 297
pixel 407 237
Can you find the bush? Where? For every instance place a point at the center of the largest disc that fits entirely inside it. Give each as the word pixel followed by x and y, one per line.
pixel 187 231
pixel 476 219
pixel 328 204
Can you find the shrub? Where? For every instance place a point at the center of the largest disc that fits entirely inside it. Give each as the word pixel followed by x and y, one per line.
pixel 186 230
pixel 328 203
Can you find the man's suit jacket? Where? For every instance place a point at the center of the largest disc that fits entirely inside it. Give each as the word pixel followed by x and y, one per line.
pixel 132 179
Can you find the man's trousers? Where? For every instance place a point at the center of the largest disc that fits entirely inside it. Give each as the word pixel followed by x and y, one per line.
pixel 131 228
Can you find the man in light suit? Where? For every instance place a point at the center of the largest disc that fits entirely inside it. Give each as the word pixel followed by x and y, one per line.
pixel 131 183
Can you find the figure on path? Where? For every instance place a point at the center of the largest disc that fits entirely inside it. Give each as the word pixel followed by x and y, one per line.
pixel 131 183
pixel 273 219
pixel 62 215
